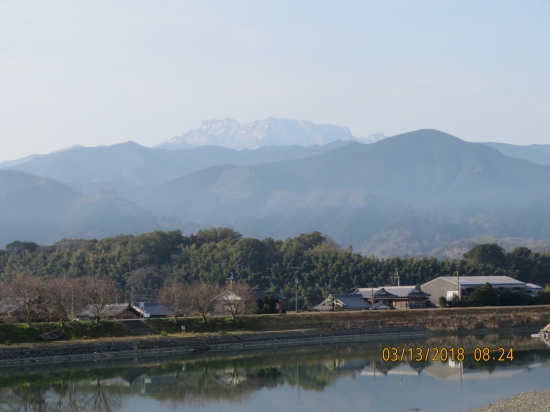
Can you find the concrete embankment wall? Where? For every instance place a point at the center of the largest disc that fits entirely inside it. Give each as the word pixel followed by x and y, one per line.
pixel 323 328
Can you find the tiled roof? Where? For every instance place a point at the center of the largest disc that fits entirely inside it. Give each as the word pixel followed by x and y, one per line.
pixel 397 291
pixel 381 305
pixel 260 294
pixel 345 301
pixel 110 310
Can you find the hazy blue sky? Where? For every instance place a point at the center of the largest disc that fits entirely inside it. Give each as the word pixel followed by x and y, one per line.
pixel 101 72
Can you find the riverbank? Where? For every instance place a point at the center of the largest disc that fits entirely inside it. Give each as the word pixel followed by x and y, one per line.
pixel 455 320
pixel 163 346
pixel 283 331
pixel 523 402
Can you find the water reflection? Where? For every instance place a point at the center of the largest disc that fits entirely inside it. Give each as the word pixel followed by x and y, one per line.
pixel 218 378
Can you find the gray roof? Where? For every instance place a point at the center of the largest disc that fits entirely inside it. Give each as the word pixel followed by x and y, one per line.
pixel 397 291
pixel 533 286
pixel 346 301
pixel 9 307
pixel 381 305
pixel 482 280
pixel 152 308
pixel 260 294
pixel 111 310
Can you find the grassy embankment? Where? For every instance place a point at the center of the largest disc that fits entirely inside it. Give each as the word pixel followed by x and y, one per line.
pixel 23 333
pixel 436 320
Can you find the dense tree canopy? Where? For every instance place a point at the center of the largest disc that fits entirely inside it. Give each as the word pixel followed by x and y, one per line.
pixel 146 262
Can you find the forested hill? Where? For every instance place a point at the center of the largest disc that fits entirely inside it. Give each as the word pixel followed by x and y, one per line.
pixel 148 261
pixel 407 194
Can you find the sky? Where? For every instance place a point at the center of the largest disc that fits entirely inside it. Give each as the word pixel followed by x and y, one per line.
pixel 104 72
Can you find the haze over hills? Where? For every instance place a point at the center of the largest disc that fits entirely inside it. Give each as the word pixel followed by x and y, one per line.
pixel 413 191
pixel 536 153
pixel 410 193
pixel 259 133
pixel 131 164
pixel 42 210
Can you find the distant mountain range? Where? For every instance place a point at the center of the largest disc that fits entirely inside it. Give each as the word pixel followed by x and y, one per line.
pixel 411 193
pixel 536 153
pixel 44 211
pixel 269 132
pixel 130 168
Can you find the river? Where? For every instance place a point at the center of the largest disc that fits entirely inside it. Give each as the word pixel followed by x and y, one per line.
pixel 348 376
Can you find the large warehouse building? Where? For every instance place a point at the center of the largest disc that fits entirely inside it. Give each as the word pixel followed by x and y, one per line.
pixel 448 286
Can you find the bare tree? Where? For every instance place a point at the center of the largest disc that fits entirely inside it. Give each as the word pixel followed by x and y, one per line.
pixel 238 300
pixel 175 298
pixel 8 305
pixel 63 298
pixel 27 295
pixel 202 299
pixel 97 294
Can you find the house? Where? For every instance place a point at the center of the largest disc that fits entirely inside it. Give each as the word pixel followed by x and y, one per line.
pixel 449 286
pixel 112 311
pixel 532 290
pixel 399 297
pixel 151 310
pixel 256 295
pixel 382 305
pixel 343 301
pixel 259 296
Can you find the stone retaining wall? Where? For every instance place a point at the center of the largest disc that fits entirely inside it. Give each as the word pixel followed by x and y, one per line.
pixel 83 351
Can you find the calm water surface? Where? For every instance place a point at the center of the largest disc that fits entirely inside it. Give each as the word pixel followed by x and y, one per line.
pixel 320 378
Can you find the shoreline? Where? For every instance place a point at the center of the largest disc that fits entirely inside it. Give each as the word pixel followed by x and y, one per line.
pixel 162 346
pixel 522 402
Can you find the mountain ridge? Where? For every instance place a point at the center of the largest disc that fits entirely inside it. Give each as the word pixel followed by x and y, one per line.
pixel 261 133
pixel 424 184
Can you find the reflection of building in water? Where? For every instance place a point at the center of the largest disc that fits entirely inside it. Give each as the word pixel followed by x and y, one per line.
pixel 450 371
pixel 380 368
pixel 345 364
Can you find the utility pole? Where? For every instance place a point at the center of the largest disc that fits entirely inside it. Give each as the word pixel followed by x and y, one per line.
pixel 296 284
pixel 398 278
pixel 231 279
pixel 296 280
pixel 458 285
pixel 371 297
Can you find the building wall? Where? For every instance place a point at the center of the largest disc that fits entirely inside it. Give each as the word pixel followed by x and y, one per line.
pixel 440 287
pixel 437 288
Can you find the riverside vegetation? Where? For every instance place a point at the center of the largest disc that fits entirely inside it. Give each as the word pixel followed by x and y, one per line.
pixel 463 321
pixel 145 263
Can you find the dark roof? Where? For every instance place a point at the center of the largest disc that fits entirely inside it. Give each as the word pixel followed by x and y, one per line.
pixel 381 305
pixel 383 293
pixel 260 294
pixel 111 310
pixel 392 292
pixel 152 308
pixel 346 301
